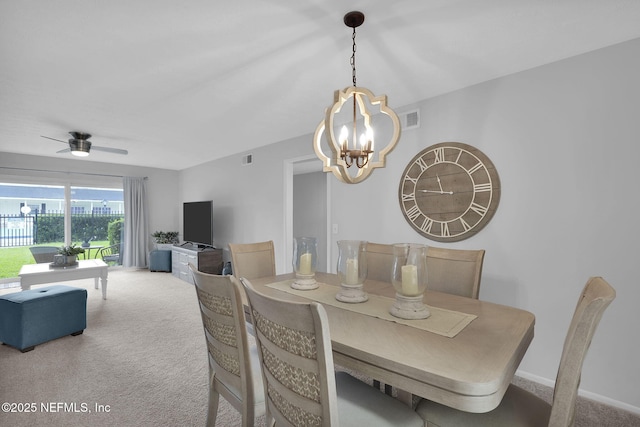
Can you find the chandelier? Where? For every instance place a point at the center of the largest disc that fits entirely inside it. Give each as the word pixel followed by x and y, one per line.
pixel 346 148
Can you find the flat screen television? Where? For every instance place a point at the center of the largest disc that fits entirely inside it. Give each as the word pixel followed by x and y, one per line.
pixel 198 223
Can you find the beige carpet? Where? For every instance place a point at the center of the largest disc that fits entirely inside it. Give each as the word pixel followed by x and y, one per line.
pixel 142 356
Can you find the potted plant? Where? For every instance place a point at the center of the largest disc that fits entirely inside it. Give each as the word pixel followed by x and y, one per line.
pixel 67 255
pixel 165 239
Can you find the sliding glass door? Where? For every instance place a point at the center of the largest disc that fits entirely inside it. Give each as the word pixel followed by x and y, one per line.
pixel 36 218
pixel 97 218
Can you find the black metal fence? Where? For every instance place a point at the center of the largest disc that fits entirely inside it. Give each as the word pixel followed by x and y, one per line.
pixel 26 230
pixel 16 230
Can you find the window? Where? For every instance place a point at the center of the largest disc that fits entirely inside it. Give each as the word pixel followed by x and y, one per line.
pixel 37 215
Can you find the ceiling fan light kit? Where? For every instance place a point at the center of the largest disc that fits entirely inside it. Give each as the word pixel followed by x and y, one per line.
pixel 345 149
pixel 79 147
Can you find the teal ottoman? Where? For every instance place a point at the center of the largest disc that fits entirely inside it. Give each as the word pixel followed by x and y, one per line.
pixel 32 317
pixel 160 260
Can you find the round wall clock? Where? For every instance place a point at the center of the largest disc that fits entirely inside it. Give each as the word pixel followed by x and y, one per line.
pixel 449 191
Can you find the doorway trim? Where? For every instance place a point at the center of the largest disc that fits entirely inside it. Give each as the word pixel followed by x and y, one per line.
pixel 289 165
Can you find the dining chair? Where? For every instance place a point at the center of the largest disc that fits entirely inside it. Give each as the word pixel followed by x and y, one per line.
pixel 301 387
pixel 518 407
pixel 252 260
pixel 454 271
pixel 43 253
pixel 379 261
pixel 234 366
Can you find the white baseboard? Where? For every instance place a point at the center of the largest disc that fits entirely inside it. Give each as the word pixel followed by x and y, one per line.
pixel 584 393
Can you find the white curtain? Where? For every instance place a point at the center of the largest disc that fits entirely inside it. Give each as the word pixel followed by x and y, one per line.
pixel 136 229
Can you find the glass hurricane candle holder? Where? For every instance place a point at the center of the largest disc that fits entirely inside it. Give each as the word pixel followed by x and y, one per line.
pixel 352 270
pixel 409 278
pixel 305 259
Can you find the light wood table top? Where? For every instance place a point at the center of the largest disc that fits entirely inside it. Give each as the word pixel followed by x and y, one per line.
pixel 470 371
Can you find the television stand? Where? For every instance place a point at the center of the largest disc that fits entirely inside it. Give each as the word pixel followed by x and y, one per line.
pixel 207 260
pixel 195 246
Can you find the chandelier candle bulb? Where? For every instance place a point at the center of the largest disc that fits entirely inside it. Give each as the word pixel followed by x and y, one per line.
pixel 344 137
pixel 410 280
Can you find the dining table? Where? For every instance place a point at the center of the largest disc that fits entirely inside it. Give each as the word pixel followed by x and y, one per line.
pixel 463 356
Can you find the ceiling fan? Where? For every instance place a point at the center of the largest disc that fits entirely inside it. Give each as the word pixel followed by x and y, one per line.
pixel 80 145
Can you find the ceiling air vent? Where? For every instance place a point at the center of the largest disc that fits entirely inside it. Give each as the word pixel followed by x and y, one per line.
pixel 247 160
pixel 411 120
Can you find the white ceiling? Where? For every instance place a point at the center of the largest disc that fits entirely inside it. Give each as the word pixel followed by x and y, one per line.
pixel 179 83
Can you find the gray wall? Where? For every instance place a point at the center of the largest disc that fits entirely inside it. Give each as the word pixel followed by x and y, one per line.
pixel 564 138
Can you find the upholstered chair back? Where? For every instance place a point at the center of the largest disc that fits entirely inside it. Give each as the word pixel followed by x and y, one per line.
pixel 454 271
pixel 253 260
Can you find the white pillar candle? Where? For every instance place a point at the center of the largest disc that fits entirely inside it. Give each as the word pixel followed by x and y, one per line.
pixel 305 263
pixel 352 272
pixel 410 280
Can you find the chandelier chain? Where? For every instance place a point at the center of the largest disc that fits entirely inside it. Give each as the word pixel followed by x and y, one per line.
pixel 353 57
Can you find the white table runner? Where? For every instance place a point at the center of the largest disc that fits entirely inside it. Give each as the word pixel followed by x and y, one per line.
pixel 443 322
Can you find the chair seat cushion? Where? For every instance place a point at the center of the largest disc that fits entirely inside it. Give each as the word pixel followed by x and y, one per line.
pixel 518 408
pixel 360 405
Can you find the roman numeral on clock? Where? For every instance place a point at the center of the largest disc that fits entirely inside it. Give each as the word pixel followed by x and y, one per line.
pixel 479 209
pixel 408 197
pixel 413 212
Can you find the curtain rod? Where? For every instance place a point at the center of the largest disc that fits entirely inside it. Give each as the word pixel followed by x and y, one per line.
pixel 66 173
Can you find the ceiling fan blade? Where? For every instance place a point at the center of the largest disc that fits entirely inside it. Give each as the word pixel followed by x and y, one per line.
pixel 54 139
pixel 109 149
pixel 66 150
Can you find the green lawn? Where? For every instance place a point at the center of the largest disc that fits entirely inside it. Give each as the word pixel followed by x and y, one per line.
pixel 11 259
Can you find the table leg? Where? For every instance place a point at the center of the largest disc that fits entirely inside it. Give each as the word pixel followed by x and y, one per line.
pixel 405 397
pixel 104 286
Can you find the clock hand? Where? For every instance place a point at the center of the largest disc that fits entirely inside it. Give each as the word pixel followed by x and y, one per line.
pixel 436 191
pixel 439 184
